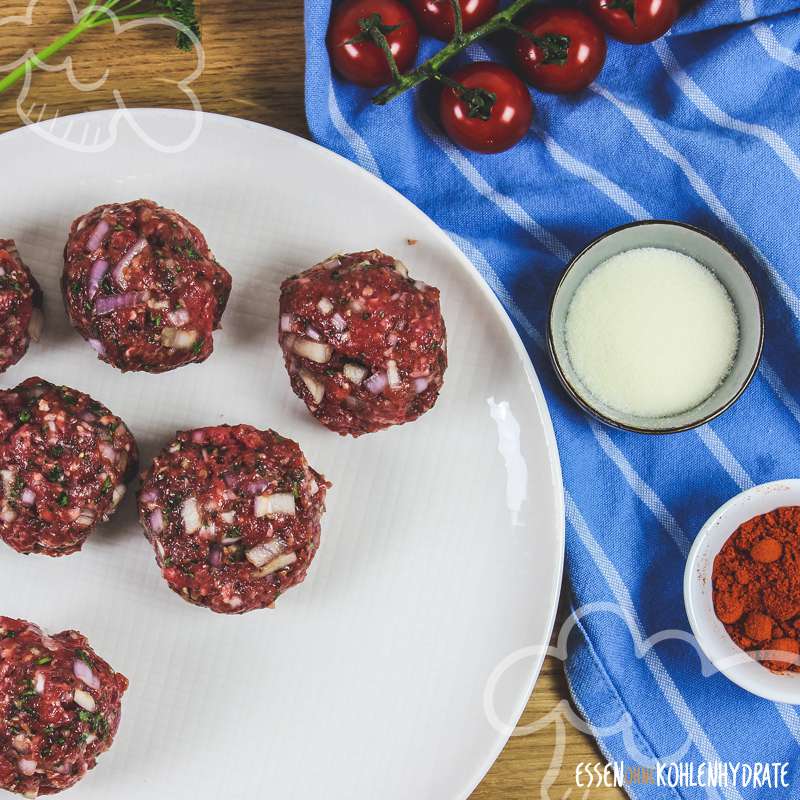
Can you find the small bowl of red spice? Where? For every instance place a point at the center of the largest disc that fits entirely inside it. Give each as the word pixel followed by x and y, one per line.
pixel 742 590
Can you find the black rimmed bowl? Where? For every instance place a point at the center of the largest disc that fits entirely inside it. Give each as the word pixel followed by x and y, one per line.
pixel 704 248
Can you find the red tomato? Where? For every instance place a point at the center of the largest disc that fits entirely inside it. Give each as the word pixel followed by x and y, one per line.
pixel 497 128
pixel 437 19
pixel 355 55
pixel 569 53
pixel 635 21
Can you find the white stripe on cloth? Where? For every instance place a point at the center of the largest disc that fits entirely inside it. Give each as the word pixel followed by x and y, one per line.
pixel 711 111
pixel 657 669
pixel 357 144
pixel 739 476
pixel 650 134
pixel 510 207
pixel 642 489
pixel 581 170
pixel 767 39
pixel 775 383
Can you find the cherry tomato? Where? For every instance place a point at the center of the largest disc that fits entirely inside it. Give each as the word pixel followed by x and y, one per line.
pixel 635 21
pixel 353 52
pixel 469 123
pixel 437 19
pixel 569 53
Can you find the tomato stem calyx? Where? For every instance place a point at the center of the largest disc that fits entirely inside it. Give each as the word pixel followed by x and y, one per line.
pixel 554 47
pixel 629 6
pixel 373 27
pixel 479 102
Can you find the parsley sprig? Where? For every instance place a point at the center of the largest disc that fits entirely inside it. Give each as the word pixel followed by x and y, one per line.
pixel 99 13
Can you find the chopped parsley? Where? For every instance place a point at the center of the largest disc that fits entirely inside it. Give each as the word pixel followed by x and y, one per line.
pixel 25 416
pixel 106 487
pixel 56 474
pixel 43 661
pixel 97 723
pixel 198 346
pixel 63 499
pixel 83 656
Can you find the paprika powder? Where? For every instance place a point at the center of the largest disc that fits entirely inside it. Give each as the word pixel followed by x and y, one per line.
pixel 756 587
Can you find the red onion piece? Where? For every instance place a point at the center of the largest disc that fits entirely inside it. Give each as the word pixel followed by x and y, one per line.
pixel 313 333
pixel 392 339
pixel 156 521
pixel 96 275
pixel 83 672
pixel 150 496
pixel 377 382
pixel 124 262
pixel 27 497
pixel 215 555
pixel 256 487
pixel 117 302
pixel 339 322
pixel 421 384
pixel 286 323
pixel 97 236
pixel 98 346
pixel 230 480
pixel 26 766
pixel 199 436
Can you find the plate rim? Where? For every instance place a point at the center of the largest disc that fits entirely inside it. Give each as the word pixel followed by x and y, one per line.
pixel 470 271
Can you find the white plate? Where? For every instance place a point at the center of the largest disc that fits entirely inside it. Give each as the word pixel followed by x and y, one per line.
pixel 442 547
pixel 710 633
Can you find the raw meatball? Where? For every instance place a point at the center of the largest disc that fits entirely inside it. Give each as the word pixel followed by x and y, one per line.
pixel 59 708
pixel 364 344
pixel 64 463
pixel 20 306
pixel 141 285
pixel 233 514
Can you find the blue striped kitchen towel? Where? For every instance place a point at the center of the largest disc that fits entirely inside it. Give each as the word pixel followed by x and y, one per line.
pixel 701 126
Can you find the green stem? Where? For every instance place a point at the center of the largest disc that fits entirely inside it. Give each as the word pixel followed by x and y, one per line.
pixel 458 27
pixel 479 102
pixel 379 37
pixel 87 20
pixel 433 65
pixel 129 17
pixel 33 63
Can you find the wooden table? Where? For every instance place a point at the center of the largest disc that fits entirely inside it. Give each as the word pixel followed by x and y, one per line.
pixel 254 69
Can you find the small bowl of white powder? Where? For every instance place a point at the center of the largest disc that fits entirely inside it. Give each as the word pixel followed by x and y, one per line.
pixel 656 327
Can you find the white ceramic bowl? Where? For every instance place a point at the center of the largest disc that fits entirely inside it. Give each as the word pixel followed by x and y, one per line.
pixel 710 633
pixel 708 251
